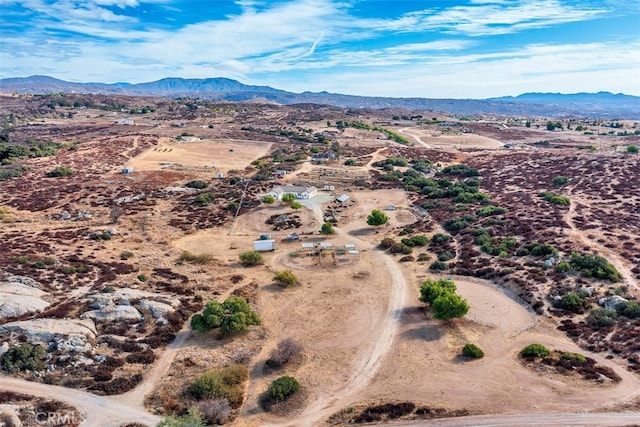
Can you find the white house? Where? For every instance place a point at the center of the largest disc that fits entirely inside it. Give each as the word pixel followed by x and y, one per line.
pixel 297 190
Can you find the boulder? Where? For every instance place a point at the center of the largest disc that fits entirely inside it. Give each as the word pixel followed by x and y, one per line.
pixel 612 302
pixel 24 280
pixel 9 416
pixel 113 313
pixel 17 299
pixel 46 330
pixel 158 309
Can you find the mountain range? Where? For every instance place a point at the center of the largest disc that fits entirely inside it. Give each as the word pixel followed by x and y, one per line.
pixel 601 104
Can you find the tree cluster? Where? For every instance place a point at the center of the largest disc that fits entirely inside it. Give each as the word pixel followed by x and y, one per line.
pixel 232 316
pixel 445 303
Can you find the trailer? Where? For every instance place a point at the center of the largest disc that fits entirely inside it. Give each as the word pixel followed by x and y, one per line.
pixel 264 245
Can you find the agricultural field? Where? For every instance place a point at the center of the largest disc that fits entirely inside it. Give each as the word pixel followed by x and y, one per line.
pixel 130 291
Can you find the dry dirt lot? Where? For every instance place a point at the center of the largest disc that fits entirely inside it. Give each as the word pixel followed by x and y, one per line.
pixel 220 155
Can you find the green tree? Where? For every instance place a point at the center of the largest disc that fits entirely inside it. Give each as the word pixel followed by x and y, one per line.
pixel 283 387
pixel 250 258
pixel 449 306
pixel 377 218
pixel 289 197
pixel 295 205
pixel 432 289
pixel 23 357
pixel 285 278
pixel 233 315
pixel 632 149
pixel 327 228
pixel 268 199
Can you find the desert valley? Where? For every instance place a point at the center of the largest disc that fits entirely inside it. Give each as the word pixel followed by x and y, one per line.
pixel 257 264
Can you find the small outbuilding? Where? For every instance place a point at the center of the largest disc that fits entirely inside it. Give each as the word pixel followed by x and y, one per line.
pixel 264 245
pixel 342 198
pixel 127 170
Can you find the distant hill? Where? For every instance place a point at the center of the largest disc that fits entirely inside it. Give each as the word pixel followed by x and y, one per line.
pixel 601 104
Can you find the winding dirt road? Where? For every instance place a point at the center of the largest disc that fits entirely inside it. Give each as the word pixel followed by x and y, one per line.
pixel 364 369
pixel 96 410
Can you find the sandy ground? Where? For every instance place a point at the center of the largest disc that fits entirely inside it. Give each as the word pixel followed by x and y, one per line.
pixel 430 139
pixel 219 155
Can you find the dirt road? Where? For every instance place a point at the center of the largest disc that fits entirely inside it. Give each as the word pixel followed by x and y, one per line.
pixel 96 410
pixel 540 420
pixel 364 369
pixel 135 397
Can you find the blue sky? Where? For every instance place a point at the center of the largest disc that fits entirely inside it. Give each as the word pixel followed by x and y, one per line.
pixel 437 49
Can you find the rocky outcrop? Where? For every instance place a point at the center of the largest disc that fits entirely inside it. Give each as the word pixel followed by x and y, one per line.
pixel 112 313
pixel 47 330
pixel 18 298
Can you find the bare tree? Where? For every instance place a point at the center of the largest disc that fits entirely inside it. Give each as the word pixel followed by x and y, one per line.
pixel 115 214
pixel 216 411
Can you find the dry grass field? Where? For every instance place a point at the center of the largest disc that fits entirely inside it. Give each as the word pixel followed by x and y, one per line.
pixel 121 262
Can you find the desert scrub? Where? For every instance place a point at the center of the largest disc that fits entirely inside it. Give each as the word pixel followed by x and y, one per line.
pixel 195 258
pixel 535 350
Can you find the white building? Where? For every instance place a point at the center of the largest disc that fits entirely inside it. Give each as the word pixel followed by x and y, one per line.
pixel 298 191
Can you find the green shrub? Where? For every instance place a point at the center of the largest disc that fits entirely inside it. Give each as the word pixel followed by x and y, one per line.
pixel 602 317
pixel 632 149
pixel 24 357
pixel 490 210
pixel 283 387
pixel 535 350
pixel 142 278
pixel 563 267
pixel 250 258
pixel 559 180
pixel 285 278
pixel 327 228
pixel 193 418
pixel 200 185
pixel 572 302
pixel 195 258
pixel 439 239
pixel 462 170
pixel 630 309
pixel 126 255
pixel 472 351
pixel 60 171
pixel 573 357
pixel 420 240
pixel 594 266
pixel 23 260
pixel 438 266
pixel 268 199
pixel 446 256
pixel 203 199
pixel 555 198
pixel 295 205
pixel 225 383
